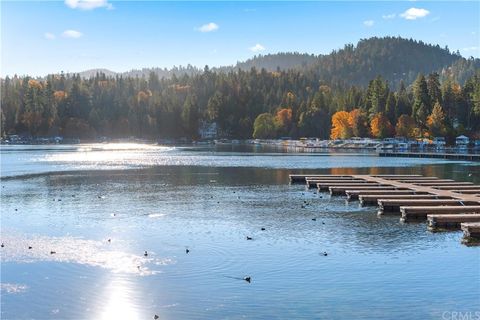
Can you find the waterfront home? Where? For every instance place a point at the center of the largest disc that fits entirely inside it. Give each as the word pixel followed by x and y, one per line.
pixel 461 142
pixel 439 143
pixel 208 131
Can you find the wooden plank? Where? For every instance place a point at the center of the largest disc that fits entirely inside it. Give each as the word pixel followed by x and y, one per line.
pixel 300 178
pixel 442 184
pixel 369 200
pixel 450 221
pixel 467 192
pixel 342 190
pixel 354 194
pixel 417 181
pixel 413 178
pixel 471 187
pixel 416 213
pixel 313 183
pixel 393 205
pixel 326 186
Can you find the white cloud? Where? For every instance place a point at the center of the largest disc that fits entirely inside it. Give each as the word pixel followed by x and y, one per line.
pixel 209 27
pixel 368 23
pixel 415 13
pixel 257 48
pixel 473 48
pixel 49 36
pixel 389 16
pixel 74 34
pixel 88 4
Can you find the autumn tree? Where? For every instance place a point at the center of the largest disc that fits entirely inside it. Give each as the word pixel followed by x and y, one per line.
pixel 283 121
pixel 405 126
pixel 381 126
pixel 340 126
pixel 358 122
pixel 436 121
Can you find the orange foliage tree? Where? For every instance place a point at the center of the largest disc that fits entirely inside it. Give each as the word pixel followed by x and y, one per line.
pixel 283 120
pixel 406 126
pixel 380 126
pixel 357 120
pixel 340 126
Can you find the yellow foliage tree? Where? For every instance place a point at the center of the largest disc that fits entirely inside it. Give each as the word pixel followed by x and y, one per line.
pixel 436 121
pixel 340 126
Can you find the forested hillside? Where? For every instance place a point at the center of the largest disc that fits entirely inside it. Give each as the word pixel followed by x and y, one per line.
pixel 302 101
pixel 393 58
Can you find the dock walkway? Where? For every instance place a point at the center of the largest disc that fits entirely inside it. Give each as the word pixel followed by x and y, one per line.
pixel 415 197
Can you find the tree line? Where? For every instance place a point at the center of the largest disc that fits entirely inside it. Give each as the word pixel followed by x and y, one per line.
pixel 243 104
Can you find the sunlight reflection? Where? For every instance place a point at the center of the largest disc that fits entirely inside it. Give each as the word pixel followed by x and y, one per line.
pixel 120 302
pixel 111 152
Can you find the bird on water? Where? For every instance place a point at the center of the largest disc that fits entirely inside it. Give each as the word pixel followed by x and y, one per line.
pixel 145 253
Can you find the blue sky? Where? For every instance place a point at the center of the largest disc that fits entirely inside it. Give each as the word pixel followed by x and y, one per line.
pixel 41 37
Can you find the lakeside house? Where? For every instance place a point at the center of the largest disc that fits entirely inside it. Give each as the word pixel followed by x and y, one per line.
pixel 461 142
pixel 208 131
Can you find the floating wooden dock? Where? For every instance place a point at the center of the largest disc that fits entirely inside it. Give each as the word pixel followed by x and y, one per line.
pixel 471 232
pixel 438 222
pixel 452 156
pixel 372 200
pixel 393 205
pixel 445 203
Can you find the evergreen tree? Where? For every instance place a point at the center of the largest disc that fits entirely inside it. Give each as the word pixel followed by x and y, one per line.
pixel 421 100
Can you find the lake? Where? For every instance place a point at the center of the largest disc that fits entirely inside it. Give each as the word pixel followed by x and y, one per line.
pixel 89 213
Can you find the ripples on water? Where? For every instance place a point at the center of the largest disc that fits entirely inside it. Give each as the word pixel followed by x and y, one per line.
pixel 169 200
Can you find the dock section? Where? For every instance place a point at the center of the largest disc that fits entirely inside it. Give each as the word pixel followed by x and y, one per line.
pixel 445 203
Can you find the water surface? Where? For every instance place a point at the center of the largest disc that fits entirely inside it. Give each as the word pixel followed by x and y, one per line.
pixel 73 199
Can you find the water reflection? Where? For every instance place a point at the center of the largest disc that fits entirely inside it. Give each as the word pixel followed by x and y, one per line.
pixel 119 301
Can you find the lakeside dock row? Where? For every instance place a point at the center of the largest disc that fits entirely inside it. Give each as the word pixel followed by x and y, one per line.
pixel 444 203
pixel 439 155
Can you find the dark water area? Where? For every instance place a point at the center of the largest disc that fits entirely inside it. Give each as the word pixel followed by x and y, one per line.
pixel 73 199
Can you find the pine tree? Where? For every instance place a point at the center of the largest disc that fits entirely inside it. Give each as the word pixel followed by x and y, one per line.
pixel 421 100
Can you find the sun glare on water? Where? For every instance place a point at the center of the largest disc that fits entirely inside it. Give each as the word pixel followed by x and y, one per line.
pixel 119 305
pixel 117 154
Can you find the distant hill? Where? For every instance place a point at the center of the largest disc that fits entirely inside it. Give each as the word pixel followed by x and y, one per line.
pixel 393 58
pixel 283 61
pixel 92 72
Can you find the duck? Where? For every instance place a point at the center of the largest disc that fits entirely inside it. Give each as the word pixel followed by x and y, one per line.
pixel 145 253
pixel 325 254
pixel 52 252
pixel 248 279
pixel 187 251
pixel 263 229
pixel 249 238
